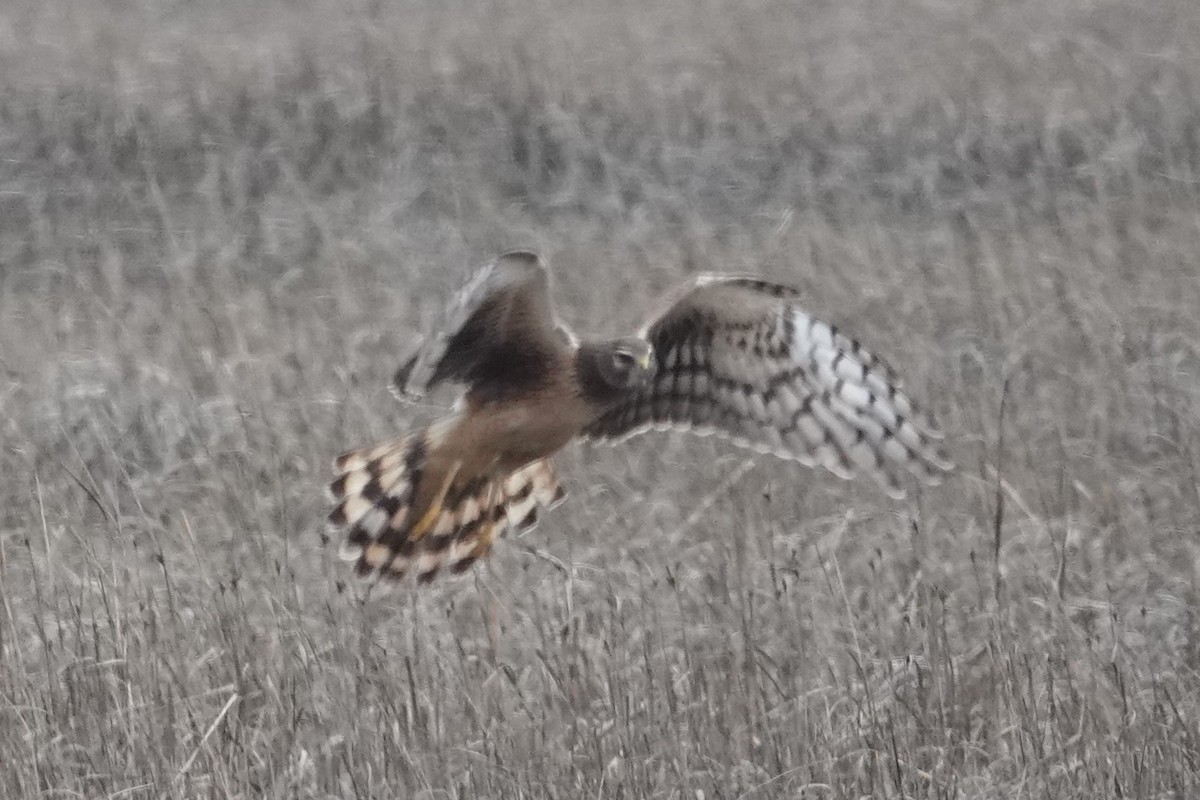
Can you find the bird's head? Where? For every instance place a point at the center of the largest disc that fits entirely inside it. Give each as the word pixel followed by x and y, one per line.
pixel 627 364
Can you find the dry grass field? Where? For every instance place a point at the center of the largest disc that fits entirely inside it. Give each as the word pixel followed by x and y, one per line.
pixel 220 228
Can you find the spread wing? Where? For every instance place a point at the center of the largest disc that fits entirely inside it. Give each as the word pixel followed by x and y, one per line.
pixel 739 357
pixel 499 335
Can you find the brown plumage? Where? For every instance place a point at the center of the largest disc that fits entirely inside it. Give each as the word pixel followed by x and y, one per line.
pixel 732 356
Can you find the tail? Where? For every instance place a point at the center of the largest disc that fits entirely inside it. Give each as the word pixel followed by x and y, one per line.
pixel 388 538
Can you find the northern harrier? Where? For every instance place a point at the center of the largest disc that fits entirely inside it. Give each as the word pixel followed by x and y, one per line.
pixel 728 355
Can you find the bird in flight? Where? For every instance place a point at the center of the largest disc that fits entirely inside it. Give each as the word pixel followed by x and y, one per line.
pixel 733 356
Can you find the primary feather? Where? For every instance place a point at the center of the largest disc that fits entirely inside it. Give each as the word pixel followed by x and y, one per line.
pixel 740 358
pixel 499 335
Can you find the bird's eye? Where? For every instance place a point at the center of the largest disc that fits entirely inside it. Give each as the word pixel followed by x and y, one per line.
pixel 625 358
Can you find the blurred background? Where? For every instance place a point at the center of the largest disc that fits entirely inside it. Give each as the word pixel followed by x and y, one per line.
pixel 221 226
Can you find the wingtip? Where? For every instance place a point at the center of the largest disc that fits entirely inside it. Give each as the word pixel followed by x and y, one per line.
pixel 520 256
pixel 402 377
pixel 513 266
pixel 927 426
pixel 936 462
pixel 404 395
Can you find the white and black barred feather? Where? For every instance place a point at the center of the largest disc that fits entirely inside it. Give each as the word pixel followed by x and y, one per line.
pixel 374 512
pixel 740 358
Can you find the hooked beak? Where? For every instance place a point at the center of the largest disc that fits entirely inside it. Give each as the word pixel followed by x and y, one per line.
pixel 645 361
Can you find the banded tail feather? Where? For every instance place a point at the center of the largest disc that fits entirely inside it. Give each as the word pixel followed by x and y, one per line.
pixel 388 537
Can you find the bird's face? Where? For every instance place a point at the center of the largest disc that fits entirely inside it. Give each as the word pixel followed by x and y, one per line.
pixel 630 364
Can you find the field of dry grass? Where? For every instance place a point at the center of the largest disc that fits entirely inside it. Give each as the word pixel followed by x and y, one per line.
pixel 220 228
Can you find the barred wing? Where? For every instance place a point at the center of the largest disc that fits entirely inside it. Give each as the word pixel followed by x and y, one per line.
pixel 738 357
pixel 499 336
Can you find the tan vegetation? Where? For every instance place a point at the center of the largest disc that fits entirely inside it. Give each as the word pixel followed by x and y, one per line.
pixel 219 228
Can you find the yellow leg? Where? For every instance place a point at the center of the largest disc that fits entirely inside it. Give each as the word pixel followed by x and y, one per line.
pixel 483 544
pixel 427 519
